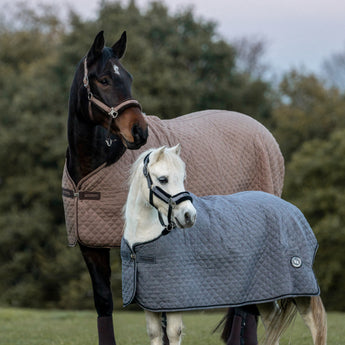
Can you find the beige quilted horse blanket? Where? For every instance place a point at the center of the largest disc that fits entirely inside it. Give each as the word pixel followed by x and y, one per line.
pixel 225 152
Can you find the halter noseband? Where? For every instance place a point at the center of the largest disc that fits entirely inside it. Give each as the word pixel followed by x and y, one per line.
pixel 171 200
pixel 113 112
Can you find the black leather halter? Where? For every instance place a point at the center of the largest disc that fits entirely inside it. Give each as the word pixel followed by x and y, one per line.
pixel 171 200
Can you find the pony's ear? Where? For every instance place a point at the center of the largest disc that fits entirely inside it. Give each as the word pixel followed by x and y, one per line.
pixel 157 154
pixel 96 49
pixel 120 46
pixel 176 149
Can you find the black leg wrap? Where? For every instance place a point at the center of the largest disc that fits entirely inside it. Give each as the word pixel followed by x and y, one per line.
pixel 105 330
pixel 243 326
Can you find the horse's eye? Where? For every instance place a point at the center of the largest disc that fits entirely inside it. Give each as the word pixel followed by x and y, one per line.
pixel 104 81
pixel 163 180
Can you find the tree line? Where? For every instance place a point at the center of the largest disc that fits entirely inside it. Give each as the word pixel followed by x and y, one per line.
pixel 180 64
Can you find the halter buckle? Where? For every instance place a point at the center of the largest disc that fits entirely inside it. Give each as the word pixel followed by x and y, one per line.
pixel 113 113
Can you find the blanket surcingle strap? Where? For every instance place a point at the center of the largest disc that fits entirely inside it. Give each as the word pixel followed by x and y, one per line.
pixel 68 193
pixel 245 248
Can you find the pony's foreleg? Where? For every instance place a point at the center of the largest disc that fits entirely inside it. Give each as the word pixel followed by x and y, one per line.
pixel 154 327
pixel 174 328
pixel 98 263
pixel 314 316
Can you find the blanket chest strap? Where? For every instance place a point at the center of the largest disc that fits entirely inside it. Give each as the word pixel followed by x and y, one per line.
pixel 81 195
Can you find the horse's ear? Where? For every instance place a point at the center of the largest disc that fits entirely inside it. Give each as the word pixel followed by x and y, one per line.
pixel 96 49
pixel 176 149
pixel 120 46
pixel 157 154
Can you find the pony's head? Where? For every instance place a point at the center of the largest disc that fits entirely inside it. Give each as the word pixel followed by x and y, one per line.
pixel 106 96
pixel 160 174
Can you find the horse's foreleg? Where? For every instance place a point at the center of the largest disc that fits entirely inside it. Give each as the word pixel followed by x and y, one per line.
pixel 98 263
pixel 154 327
pixel 314 316
pixel 174 328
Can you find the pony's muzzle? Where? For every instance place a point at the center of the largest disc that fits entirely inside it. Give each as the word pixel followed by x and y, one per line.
pixel 189 219
pixel 186 216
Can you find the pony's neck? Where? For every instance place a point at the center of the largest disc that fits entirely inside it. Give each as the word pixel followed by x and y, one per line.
pixel 141 219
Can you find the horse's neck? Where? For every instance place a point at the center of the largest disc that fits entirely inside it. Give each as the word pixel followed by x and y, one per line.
pixel 87 149
pixel 142 223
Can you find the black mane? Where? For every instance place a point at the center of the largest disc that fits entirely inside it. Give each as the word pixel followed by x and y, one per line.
pixel 89 136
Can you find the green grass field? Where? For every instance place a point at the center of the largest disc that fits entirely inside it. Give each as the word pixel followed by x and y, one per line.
pixel 55 327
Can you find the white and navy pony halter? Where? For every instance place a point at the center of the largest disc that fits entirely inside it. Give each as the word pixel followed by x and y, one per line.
pixel 171 200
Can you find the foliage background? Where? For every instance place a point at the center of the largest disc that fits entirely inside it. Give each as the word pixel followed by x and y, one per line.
pixel 180 65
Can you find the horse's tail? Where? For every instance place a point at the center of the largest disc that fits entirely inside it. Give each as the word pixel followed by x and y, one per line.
pixel 320 317
pixel 314 315
pixel 281 318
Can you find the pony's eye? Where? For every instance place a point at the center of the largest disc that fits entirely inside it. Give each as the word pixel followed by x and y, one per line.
pixel 163 180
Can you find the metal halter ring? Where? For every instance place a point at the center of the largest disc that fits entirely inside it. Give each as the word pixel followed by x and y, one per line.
pixel 113 113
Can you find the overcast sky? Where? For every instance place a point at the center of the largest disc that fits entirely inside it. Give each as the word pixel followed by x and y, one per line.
pixel 298 33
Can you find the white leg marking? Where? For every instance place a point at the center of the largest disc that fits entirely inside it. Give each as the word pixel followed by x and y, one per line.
pixel 174 328
pixel 154 327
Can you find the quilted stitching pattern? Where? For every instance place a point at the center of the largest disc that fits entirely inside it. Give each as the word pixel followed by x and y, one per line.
pixel 225 152
pixel 238 252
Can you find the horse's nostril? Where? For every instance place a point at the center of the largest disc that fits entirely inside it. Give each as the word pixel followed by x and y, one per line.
pixel 138 133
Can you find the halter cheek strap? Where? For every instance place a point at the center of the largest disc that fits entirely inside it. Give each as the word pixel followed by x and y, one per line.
pixel 112 112
pixel 171 200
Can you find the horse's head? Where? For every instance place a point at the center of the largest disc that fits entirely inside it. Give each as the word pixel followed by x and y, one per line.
pixel 107 93
pixel 163 174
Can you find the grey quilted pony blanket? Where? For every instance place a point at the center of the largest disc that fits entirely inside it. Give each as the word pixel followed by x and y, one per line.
pixel 245 248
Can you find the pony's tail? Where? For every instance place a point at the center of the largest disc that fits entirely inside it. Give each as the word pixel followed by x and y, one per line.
pixel 280 320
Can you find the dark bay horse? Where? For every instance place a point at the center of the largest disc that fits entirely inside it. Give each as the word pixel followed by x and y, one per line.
pixel 103 121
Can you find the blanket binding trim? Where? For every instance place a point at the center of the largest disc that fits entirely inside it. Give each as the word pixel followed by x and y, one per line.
pixel 219 306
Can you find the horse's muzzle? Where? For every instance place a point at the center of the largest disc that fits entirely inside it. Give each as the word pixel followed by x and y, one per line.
pixel 140 136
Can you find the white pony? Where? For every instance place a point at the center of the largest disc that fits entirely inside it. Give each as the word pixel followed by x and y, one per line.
pixel 157 200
